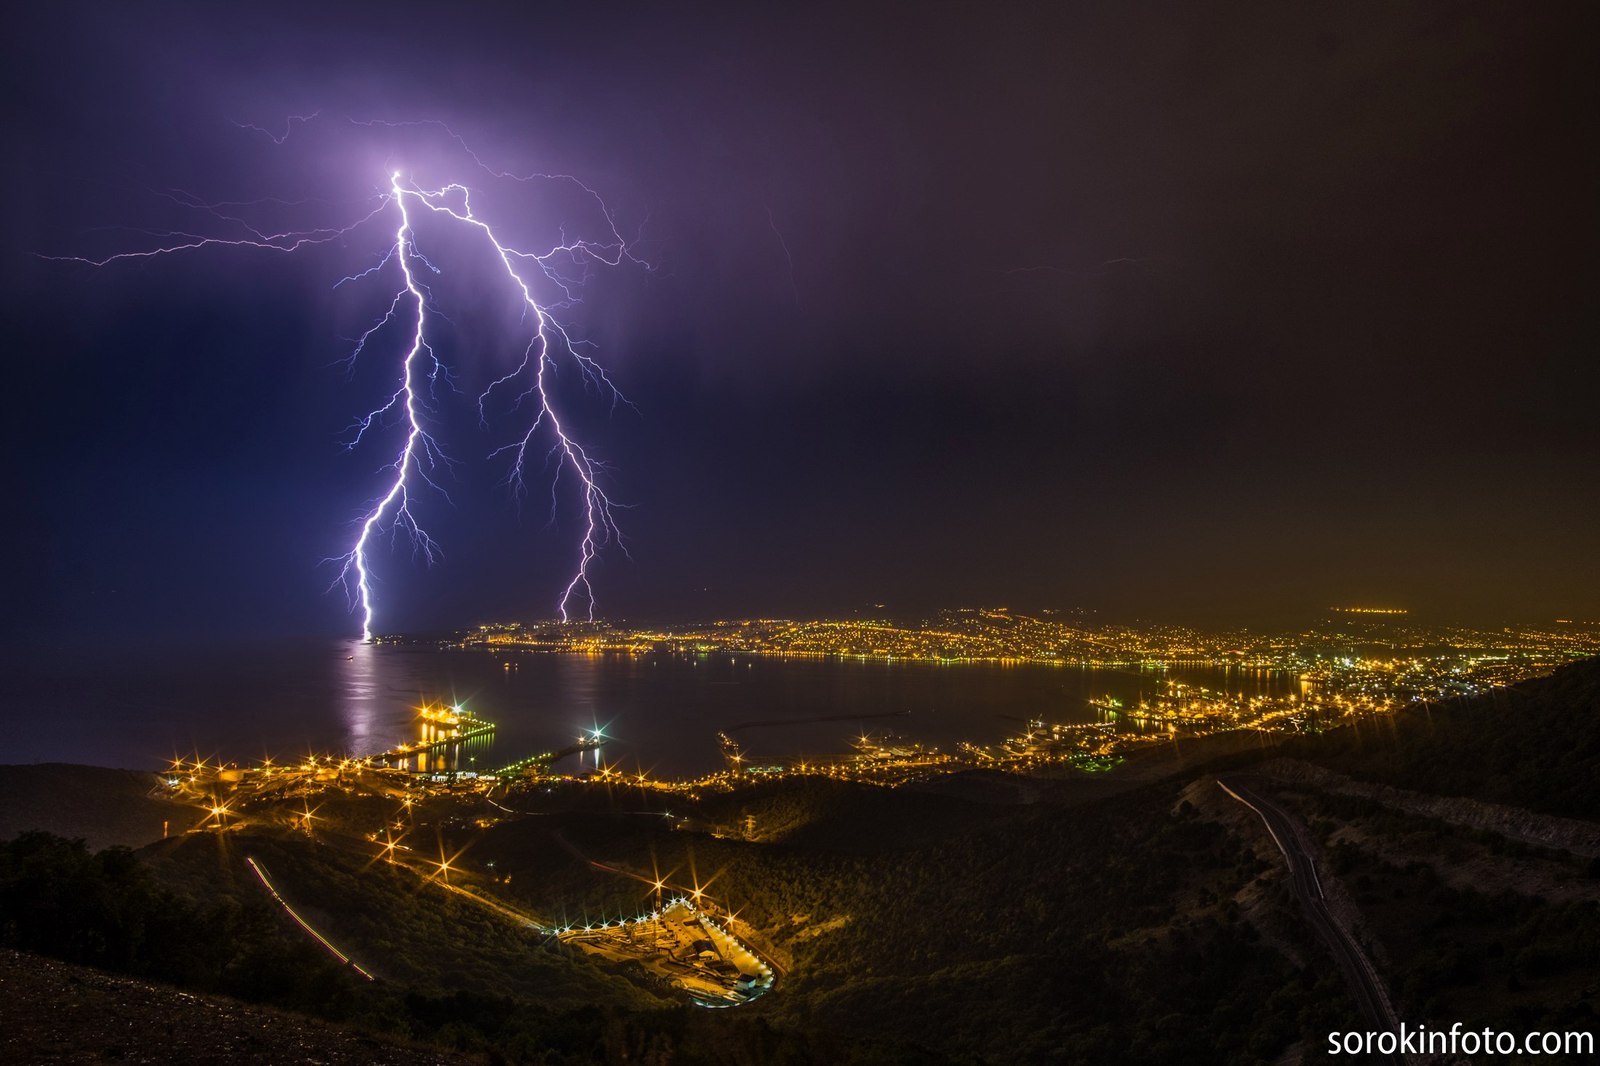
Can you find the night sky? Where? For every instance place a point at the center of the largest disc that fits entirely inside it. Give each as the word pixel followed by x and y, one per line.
pixel 1220 313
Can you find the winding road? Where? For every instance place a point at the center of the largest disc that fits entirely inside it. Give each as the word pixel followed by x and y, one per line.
pixel 1290 836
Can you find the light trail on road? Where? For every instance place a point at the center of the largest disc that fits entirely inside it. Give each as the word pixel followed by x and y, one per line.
pixel 1359 972
pixel 341 956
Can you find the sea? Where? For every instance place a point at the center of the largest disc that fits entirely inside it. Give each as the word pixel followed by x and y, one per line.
pixel 659 712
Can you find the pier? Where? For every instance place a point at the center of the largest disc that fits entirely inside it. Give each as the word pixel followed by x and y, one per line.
pixel 442 727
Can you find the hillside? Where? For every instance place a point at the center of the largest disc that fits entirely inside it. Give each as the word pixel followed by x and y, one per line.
pixel 56 1012
pixel 1534 745
pixel 1146 917
pixel 103 807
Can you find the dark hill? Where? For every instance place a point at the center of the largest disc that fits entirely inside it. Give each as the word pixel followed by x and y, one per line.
pixel 56 1012
pixel 99 806
pixel 1137 915
pixel 1534 745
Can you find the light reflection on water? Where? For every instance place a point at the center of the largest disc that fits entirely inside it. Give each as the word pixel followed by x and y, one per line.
pixel 661 713
pixel 360 695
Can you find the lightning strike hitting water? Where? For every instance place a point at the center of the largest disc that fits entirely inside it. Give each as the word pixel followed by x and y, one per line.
pixel 420 370
pixel 421 453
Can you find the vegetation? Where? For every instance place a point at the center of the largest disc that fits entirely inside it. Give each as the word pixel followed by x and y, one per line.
pixel 107 910
pixel 1534 745
pixel 969 946
pixel 908 927
pixel 1105 931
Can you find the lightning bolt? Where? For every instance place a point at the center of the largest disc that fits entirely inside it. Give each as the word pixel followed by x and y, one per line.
pixel 421 453
pixel 559 270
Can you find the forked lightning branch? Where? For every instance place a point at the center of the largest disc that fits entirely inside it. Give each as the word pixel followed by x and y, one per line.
pixel 407 328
